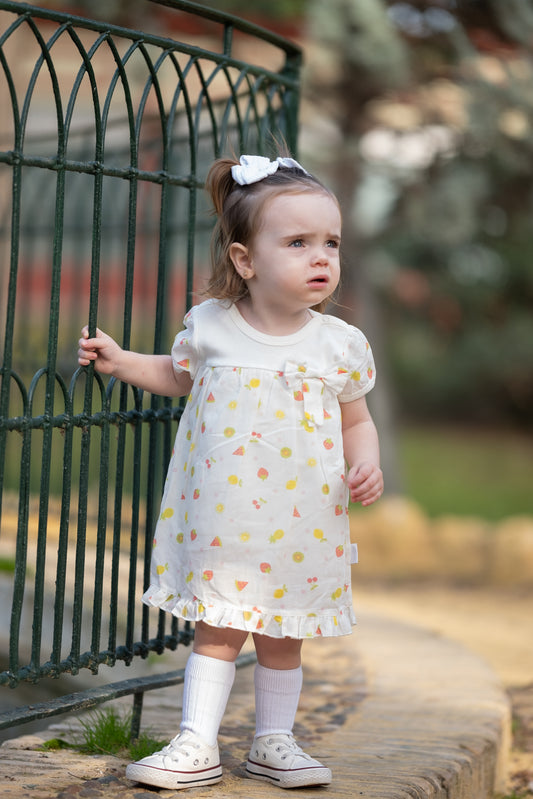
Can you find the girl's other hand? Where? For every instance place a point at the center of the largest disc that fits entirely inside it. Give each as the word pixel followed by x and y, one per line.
pixel 365 482
pixel 102 350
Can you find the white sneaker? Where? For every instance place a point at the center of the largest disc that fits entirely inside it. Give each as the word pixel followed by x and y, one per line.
pixel 186 762
pixel 278 759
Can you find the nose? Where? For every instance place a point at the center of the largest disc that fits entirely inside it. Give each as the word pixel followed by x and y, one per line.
pixel 320 256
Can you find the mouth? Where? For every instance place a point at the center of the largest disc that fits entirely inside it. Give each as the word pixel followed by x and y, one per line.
pixel 320 281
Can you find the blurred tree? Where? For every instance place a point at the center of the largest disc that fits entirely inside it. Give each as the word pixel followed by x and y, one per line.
pixel 430 130
pixel 131 12
pixel 357 55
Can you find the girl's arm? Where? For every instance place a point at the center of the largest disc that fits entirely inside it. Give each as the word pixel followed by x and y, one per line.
pixel 153 373
pixel 361 450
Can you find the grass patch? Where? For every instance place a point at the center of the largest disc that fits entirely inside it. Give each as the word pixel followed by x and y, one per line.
pixel 468 473
pixel 55 744
pixel 108 732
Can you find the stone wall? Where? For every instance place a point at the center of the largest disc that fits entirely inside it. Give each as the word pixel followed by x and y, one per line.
pixel 396 540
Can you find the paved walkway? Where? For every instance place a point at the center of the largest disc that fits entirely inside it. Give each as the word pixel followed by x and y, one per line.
pixel 394 710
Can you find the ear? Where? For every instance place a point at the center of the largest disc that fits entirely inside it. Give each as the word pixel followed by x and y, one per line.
pixel 242 260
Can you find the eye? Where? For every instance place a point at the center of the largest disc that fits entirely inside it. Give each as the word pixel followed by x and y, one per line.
pixel 333 243
pixel 296 243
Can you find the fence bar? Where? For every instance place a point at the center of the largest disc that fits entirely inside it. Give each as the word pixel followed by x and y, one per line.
pixel 86 700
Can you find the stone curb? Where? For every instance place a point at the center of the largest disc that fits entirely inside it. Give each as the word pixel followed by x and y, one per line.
pixel 394 710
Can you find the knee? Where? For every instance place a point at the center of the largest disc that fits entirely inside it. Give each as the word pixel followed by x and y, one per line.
pixel 217 642
pixel 278 653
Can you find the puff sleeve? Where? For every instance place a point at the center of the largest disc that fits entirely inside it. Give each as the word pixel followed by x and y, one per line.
pixel 185 349
pixel 359 364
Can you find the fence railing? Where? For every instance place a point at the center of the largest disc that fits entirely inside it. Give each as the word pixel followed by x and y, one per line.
pixel 105 138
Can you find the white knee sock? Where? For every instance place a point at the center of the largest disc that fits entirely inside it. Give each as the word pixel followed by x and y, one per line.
pixel 277 693
pixel 206 690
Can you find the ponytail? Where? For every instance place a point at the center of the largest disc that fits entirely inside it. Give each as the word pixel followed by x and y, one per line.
pixel 219 183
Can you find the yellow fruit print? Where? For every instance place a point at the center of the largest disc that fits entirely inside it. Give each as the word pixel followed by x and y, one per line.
pixel 285 452
pixel 247 615
pixel 167 513
pixel 161 569
pixel 232 405
pixel 277 536
pixel 279 619
pixel 189 577
pixel 325 489
pixel 291 484
pixel 336 594
pixel 219 507
pixel 233 480
pixel 307 425
pixel 319 534
pixel 356 376
pixel 280 415
pixel 311 461
pixel 229 432
pixel 244 536
pixel 279 592
pixel 298 557
pixel 254 383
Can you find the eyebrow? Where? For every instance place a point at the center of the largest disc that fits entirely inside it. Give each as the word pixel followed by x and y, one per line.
pixel 302 234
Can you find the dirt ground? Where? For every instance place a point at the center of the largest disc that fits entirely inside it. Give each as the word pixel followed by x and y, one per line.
pixel 496 624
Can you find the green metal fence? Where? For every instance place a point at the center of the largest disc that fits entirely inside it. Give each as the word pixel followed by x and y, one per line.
pixel 105 138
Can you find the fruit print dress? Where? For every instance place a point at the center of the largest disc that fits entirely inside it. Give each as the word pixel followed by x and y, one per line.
pixel 253 531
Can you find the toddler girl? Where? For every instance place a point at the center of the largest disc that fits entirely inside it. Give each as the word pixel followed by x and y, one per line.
pixel 253 535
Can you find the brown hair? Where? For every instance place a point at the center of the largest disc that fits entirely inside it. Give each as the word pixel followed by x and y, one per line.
pixel 238 209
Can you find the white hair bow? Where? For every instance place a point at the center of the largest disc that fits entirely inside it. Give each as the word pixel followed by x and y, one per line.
pixel 253 168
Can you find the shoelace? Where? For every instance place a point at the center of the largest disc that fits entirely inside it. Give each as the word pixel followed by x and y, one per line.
pixel 177 747
pixel 291 747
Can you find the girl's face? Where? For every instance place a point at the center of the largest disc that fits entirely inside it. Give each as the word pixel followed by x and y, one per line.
pixel 292 262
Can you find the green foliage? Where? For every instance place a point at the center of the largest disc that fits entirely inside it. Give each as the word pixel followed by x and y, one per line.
pixel 143 746
pixel 119 10
pixel 281 9
pixel 55 744
pixel 440 169
pixel 108 732
pixel 460 472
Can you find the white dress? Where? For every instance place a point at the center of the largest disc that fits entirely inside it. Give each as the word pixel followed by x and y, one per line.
pixel 254 530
